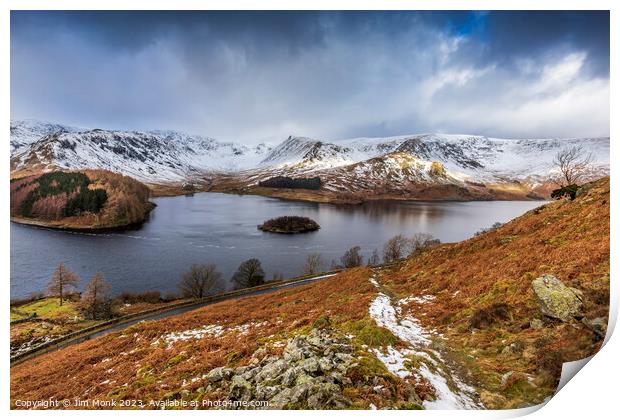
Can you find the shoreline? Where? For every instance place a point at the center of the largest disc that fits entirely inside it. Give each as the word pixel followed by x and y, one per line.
pixel 326 197
pixel 68 227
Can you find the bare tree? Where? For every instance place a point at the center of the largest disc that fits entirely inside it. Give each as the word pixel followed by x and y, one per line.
pixel 277 276
pixel 572 162
pixel 314 263
pixel 422 241
pixel 201 280
pixel 249 274
pixel 96 302
pixel 352 258
pixel 374 258
pixel 396 248
pixel 62 282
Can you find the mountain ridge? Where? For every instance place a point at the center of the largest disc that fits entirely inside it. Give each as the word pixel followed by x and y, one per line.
pixel 402 164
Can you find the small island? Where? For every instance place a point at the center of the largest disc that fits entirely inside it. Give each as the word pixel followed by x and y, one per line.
pixel 289 224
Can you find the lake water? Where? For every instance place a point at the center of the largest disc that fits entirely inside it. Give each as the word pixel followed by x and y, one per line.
pixel 221 229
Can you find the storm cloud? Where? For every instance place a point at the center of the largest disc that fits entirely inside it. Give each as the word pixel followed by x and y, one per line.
pixel 256 76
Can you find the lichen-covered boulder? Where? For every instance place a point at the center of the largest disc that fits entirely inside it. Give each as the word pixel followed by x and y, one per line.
pixel 556 299
pixel 240 388
pixel 219 373
pixel 271 370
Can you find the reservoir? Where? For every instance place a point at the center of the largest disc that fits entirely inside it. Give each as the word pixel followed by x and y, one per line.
pixel 222 229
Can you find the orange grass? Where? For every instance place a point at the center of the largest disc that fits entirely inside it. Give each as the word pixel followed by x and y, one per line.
pixel 569 239
pixel 128 357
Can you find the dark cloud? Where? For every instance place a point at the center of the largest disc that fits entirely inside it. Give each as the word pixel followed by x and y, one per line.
pixel 263 75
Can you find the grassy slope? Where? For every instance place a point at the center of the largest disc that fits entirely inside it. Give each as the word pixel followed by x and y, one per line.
pixel 568 239
pixel 44 308
pixel 53 320
pixel 284 311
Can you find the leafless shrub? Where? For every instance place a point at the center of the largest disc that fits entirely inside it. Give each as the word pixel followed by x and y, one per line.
pixel 374 258
pixel 493 227
pixel 421 242
pixel 400 246
pixel 96 302
pixel 396 248
pixel 572 162
pixel 201 280
pixel 249 274
pixel 352 258
pixel 313 264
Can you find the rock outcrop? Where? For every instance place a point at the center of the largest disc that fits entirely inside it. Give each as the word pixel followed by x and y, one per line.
pixel 311 373
pixel 556 299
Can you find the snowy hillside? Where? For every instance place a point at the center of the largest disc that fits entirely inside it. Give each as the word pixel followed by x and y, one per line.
pixel 26 132
pixel 170 156
pixel 156 156
pixel 410 159
pixel 306 154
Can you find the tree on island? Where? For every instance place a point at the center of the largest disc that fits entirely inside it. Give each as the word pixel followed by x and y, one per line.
pixel 62 282
pixel 313 263
pixel 289 224
pixel 200 281
pixel 249 274
pixel 96 302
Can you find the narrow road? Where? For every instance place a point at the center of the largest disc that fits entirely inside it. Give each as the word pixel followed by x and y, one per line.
pixel 154 316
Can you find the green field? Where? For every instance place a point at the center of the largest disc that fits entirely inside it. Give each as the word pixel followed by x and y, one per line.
pixel 47 308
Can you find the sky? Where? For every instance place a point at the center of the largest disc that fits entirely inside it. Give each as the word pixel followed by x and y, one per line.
pixel 262 76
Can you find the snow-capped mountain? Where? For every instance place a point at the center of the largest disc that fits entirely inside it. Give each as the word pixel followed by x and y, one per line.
pixel 152 156
pixel 26 132
pixel 363 164
pixel 464 158
pixel 303 153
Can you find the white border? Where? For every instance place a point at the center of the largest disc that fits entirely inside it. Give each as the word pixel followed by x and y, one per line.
pixel 591 394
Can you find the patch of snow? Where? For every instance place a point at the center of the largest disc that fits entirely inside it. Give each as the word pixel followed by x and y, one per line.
pixel 384 314
pixel 195 334
pixel 451 392
pixel 32 344
pixel 205 331
pixel 416 299
pixel 394 361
